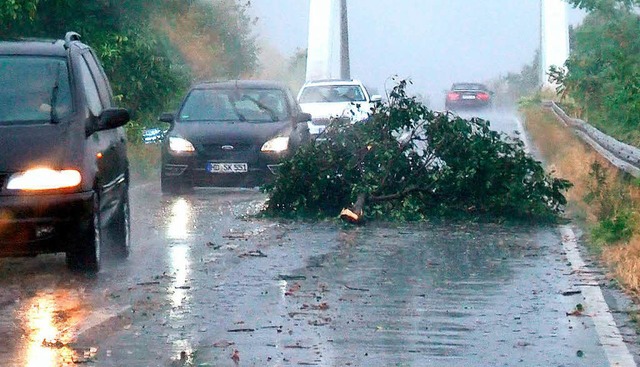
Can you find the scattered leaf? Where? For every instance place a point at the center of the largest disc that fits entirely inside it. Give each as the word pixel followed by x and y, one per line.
pixel 236 356
pixel 223 344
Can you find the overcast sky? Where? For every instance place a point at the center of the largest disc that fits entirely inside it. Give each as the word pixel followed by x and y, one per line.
pixel 432 42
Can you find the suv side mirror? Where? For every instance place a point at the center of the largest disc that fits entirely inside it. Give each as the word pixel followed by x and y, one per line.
pixel 167 117
pixel 376 98
pixel 303 117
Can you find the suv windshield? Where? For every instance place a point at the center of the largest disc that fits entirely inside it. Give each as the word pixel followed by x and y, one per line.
pixel 34 89
pixel 254 105
pixel 332 93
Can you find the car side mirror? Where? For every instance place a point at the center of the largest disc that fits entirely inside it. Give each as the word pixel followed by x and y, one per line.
pixel 110 118
pixel 376 98
pixel 167 117
pixel 303 117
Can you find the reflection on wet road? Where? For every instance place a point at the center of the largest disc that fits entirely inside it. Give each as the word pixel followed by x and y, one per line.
pixel 208 284
pixel 45 317
pixel 502 120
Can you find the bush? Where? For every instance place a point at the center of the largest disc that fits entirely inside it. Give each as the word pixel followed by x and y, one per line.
pixel 411 163
pixel 613 208
pixel 602 75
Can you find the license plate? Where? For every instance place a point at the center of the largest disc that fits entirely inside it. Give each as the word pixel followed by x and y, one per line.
pixel 468 97
pixel 226 167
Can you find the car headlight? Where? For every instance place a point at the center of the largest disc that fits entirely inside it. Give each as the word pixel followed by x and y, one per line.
pixel 276 145
pixel 180 145
pixel 44 179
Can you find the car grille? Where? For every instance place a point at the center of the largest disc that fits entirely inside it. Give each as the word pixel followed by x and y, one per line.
pixel 241 152
pixel 218 148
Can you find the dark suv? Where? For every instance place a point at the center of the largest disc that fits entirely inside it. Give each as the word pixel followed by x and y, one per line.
pixel 63 159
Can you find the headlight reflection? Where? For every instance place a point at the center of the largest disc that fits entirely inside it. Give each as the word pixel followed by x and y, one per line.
pixel 178 227
pixel 48 321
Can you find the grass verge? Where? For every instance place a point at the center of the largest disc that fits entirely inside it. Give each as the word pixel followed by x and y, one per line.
pixel 603 199
pixel 144 161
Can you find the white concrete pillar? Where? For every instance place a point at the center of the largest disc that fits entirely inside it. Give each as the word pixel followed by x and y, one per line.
pixel 554 37
pixel 328 46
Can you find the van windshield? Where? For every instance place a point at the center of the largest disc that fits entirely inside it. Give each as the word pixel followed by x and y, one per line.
pixel 34 89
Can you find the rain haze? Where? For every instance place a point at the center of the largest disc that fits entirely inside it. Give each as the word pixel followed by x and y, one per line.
pixel 431 42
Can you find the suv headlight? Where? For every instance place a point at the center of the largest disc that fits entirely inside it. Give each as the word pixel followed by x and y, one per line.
pixel 180 145
pixel 44 179
pixel 276 145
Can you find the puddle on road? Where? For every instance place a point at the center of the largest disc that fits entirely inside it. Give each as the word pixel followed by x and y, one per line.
pixel 48 321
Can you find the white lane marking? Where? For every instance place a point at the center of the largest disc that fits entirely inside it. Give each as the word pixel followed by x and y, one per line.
pixel 614 347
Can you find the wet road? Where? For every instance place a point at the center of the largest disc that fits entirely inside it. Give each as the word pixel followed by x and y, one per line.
pixel 208 284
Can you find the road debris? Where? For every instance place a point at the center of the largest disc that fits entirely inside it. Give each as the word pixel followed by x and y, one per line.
pixel 223 344
pixel 356 289
pixel 213 245
pixel 236 356
pixel 254 253
pixel 571 292
pixel 293 289
pixel 291 277
pixel 321 307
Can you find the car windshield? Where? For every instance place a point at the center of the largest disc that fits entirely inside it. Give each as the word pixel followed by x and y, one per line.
pixel 251 105
pixel 332 93
pixel 30 87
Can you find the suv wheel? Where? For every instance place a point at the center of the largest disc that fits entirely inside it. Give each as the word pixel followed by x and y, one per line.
pixel 121 228
pixel 87 256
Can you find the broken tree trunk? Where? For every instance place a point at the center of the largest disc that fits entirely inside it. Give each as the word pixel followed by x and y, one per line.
pixel 355 213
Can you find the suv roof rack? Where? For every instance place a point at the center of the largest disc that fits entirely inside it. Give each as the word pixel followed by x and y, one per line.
pixel 70 37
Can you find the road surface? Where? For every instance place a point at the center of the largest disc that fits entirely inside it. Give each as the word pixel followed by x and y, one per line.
pixel 208 283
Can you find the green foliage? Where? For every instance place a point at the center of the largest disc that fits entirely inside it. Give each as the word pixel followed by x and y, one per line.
pixel 603 71
pixel 603 5
pixel 147 69
pixel 613 230
pixel 412 163
pixel 12 10
pixel 613 209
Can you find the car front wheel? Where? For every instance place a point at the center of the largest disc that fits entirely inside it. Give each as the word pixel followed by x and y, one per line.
pixel 121 228
pixel 86 257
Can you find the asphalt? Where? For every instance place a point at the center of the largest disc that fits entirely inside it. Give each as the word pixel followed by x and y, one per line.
pixel 210 284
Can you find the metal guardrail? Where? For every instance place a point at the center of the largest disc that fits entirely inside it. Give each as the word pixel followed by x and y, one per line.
pixel 623 156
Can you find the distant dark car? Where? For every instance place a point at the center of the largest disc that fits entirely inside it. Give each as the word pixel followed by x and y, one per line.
pixel 232 133
pixel 64 173
pixel 468 96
